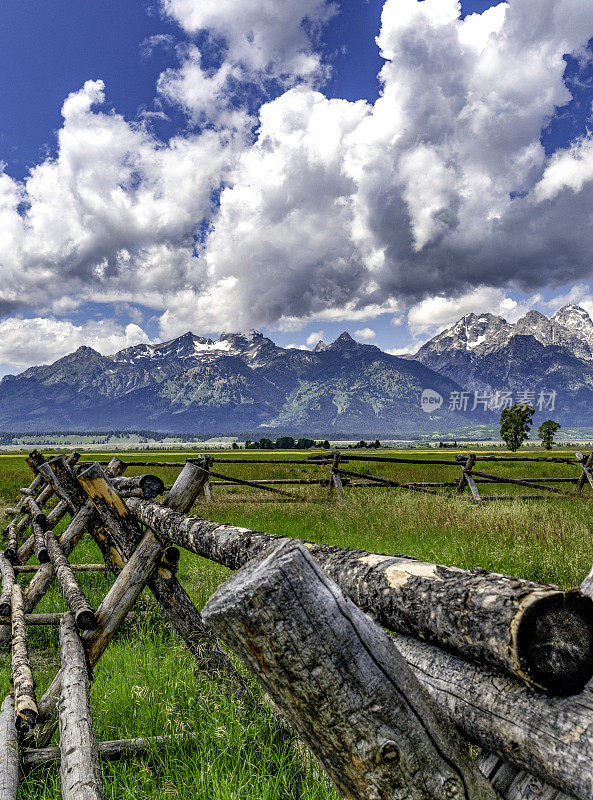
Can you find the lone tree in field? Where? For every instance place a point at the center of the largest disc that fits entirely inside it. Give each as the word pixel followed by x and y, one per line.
pixel 515 424
pixel 547 431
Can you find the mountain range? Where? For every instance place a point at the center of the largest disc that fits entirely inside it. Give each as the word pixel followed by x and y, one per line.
pixel 535 355
pixel 238 383
pixel 247 383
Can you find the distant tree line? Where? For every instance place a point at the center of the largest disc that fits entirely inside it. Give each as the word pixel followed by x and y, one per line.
pixel 284 443
pixel 290 443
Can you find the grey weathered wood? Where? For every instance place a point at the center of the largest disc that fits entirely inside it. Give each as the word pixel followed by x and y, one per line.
pixel 7 575
pixel 58 473
pixel 586 475
pixel 467 477
pixel 36 513
pixel 540 634
pixel 51 618
pixel 335 480
pixel 514 784
pixel 169 593
pixel 188 486
pixel 25 702
pixel 110 615
pixel 147 486
pixel 82 519
pixel 34 460
pixel 80 772
pixel 55 515
pixel 340 682
pixel 73 594
pixel 9 751
pixel 519 482
pixel 76 567
pixel 113 749
pixel 11 536
pixel 44 576
pixel 39 542
pixel 550 737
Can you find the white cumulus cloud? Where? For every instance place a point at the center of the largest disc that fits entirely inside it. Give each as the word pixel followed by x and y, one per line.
pixel 42 340
pixel 437 195
pixel 365 334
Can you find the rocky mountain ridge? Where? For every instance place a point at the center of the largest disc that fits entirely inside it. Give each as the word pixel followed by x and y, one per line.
pixel 570 327
pixel 237 383
pixel 534 355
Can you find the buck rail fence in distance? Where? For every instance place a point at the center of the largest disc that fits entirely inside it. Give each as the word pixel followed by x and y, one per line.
pixel 339 471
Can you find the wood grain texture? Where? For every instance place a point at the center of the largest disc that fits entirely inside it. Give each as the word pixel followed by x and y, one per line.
pixel 83 519
pixel 549 737
pixel 11 538
pixel 340 682
pixel 39 545
pixel 7 575
pixel 123 530
pixel 9 751
pixel 80 607
pixel 25 702
pixel 188 485
pixel 80 772
pixel 110 615
pixel 540 634
pixel 147 486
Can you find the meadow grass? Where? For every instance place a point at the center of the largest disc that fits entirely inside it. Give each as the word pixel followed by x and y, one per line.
pixel 146 683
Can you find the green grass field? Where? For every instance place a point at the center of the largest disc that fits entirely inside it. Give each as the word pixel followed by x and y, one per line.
pixel 145 684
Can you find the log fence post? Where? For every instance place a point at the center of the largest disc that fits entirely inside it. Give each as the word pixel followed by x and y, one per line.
pixel 7 575
pixel 169 593
pixel 25 702
pixel 9 751
pixel 517 784
pixel 11 536
pixel 80 772
pixel 467 477
pixel 586 463
pixel 335 481
pixel 188 486
pixel 340 682
pixel 110 615
pixel 207 486
pixel 80 521
pixel 538 633
pixel 73 594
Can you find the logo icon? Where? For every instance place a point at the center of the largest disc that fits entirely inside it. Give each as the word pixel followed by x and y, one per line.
pixel 430 401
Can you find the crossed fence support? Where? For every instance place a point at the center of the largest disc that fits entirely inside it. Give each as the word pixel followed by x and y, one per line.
pixel 380 711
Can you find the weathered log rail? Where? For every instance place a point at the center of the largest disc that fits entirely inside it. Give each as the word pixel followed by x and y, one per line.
pixel 340 477
pixel 497 661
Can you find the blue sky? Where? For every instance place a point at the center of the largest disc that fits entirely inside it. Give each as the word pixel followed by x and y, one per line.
pixel 386 205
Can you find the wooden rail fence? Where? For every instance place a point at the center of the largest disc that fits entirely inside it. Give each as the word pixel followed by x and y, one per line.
pixel 384 666
pixel 340 477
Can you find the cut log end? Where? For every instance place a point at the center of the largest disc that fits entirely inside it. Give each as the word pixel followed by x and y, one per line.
pixel 25 719
pixel 555 642
pixel 172 554
pixel 151 486
pixel 10 555
pixel 86 619
pixel 43 556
